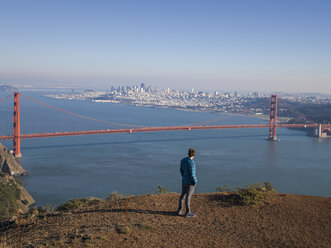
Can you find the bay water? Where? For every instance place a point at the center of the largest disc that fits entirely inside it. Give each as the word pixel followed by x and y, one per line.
pixel 64 168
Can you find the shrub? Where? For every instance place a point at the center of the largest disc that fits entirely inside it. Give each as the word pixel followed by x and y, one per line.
pixel 72 204
pixel 93 200
pixel 123 229
pixel 40 210
pixel 161 190
pixel 250 195
pixel 115 196
pixel 33 211
pixel 224 188
pixel 48 209
pixel 268 187
pixel 78 203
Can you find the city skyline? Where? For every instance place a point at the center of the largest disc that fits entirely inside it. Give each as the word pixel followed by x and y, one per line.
pixel 205 45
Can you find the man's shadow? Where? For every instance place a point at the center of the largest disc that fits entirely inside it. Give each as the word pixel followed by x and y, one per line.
pixel 130 210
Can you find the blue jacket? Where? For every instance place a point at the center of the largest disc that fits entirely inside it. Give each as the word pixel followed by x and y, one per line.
pixel 188 171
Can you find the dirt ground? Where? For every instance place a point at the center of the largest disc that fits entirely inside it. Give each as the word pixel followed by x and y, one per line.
pixel 285 220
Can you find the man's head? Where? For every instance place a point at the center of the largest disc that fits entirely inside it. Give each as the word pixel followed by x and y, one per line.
pixel 191 152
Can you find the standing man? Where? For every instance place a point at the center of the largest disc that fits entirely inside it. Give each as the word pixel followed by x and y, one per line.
pixel 189 180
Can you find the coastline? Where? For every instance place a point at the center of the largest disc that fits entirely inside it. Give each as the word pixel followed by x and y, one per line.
pixel 264 117
pixel 189 108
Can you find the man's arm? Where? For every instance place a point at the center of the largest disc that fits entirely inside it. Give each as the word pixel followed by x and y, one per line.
pixel 192 172
pixel 181 168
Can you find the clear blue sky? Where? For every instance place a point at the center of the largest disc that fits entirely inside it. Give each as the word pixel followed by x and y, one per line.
pixel 281 45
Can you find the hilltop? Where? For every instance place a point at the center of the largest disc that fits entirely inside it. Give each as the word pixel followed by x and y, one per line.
pixel 284 220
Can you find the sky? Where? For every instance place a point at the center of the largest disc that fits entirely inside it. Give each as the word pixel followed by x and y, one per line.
pixel 237 45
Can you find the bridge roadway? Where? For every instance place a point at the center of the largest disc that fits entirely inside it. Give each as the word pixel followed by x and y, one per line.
pixel 149 129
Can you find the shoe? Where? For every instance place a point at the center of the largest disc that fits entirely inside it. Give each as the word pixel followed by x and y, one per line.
pixel 190 215
pixel 179 212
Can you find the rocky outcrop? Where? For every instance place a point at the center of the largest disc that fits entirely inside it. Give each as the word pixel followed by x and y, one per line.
pixel 8 164
pixel 13 197
pixel 26 200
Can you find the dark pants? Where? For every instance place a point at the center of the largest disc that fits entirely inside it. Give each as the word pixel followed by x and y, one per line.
pixel 187 190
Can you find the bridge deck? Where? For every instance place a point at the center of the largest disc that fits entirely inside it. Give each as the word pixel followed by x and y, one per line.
pixel 150 129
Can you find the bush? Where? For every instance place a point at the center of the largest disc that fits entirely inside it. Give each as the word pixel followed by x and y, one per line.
pixel 161 190
pixel 123 229
pixel 33 211
pixel 72 204
pixel 78 203
pixel 268 187
pixel 48 209
pixel 93 200
pixel 224 188
pixel 115 196
pixel 250 195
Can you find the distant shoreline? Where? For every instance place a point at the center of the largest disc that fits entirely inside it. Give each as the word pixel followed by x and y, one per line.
pixel 263 117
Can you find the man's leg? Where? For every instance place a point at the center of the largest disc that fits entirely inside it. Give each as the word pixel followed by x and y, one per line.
pixel 188 198
pixel 185 188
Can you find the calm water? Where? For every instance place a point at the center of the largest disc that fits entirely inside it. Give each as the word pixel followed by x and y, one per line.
pixel 63 168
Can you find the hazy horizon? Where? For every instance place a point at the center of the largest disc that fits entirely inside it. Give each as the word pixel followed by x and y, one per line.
pixel 256 45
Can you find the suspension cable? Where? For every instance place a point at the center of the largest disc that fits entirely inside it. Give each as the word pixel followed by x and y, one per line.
pixel 4 99
pixel 78 115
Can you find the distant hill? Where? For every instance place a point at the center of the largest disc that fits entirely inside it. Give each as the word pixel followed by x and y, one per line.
pixel 298 112
pixel 7 88
pixel 318 113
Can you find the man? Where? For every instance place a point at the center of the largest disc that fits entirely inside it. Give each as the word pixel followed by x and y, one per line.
pixel 189 180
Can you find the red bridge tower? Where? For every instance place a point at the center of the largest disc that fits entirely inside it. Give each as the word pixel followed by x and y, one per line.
pixel 17 126
pixel 273 119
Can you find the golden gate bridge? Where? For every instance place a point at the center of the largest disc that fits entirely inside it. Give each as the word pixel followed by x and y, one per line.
pixel 17 135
